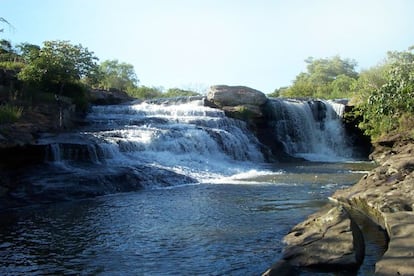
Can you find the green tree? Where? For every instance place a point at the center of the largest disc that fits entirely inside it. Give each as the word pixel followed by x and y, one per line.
pixel 177 92
pixel 369 81
pixel 302 87
pixel 7 52
pixel 278 92
pixel 326 70
pixel 58 67
pixel 325 78
pixel 28 52
pixel 145 92
pixel 56 64
pixel 118 75
pixel 342 86
pixel 385 106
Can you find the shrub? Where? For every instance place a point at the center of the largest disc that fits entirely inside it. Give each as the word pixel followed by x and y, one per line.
pixel 12 66
pixel 10 113
pixel 144 92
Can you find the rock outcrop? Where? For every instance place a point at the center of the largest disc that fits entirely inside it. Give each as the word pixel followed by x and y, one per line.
pixel 52 117
pixel 386 195
pixel 105 97
pixel 327 240
pixel 251 106
pixel 238 101
pixel 27 177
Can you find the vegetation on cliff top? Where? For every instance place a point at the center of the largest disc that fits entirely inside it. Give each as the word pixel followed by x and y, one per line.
pixel 32 75
pixel 383 95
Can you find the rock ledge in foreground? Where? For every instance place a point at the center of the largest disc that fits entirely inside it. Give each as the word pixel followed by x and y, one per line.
pixel 327 240
pixel 386 195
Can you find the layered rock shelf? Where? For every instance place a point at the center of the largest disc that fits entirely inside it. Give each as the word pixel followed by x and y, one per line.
pixel 385 195
pixel 327 240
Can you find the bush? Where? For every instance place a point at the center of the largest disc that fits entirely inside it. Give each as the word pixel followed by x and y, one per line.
pixel 12 66
pixel 78 93
pixel 390 108
pixel 144 92
pixel 10 113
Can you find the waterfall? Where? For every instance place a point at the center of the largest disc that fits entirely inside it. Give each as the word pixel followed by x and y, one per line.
pixel 310 129
pixel 170 142
pixel 182 136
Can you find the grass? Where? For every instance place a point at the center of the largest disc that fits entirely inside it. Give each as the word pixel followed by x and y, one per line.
pixel 10 113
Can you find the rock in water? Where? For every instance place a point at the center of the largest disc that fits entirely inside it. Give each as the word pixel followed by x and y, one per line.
pixel 238 100
pixel 224 95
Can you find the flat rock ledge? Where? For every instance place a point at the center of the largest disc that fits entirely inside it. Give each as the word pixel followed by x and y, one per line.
pixel 386 195
pixel 328 240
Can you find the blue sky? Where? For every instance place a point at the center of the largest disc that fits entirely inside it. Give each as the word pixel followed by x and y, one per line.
pixel 192 44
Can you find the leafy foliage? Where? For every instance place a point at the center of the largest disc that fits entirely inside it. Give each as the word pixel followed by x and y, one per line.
pixel 368 82
pixel 57 62
pixel 10 113
pixel 145 92
pixel 58 67
pixel 385 106
pixel 117 75
pixel 12 66
pixel 7 52
pixel 177 92
pixel 278 92
pixel 325 78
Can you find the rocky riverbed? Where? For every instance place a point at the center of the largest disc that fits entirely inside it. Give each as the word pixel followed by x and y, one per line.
pixel 329 239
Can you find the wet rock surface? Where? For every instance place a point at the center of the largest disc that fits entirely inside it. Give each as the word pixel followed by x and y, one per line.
pixel 386 195
pixel 48 183
pixel 328 240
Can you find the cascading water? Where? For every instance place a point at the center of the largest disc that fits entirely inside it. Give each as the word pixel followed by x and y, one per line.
pixel 185 138
pixel 188 139
pixel 310 129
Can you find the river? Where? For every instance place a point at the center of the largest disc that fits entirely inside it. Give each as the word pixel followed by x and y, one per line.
pixel 224 228
pixel 228 219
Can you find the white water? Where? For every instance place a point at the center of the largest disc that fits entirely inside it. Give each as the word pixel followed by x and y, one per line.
pixel 187 138
pixel 197 141
pixel 311 130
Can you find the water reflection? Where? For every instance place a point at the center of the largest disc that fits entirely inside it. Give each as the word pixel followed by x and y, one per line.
pixel 206 229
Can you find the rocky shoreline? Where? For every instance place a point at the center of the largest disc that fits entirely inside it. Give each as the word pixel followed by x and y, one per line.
pixel 329 238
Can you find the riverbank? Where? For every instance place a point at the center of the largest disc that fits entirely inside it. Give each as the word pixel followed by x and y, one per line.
pixel 385 195
pixel 52 117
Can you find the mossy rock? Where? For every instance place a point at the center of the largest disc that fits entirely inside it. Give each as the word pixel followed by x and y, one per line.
pixel 243 112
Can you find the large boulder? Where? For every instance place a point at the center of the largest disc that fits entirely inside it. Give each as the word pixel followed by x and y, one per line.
pixel 239 101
